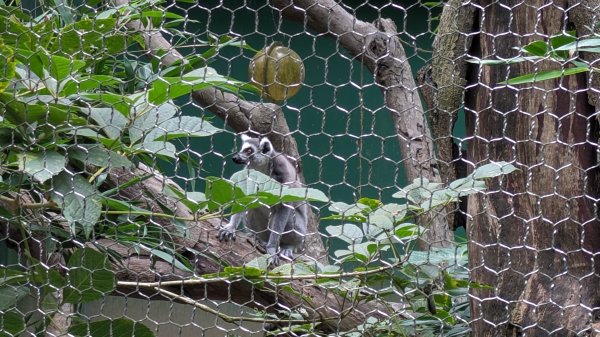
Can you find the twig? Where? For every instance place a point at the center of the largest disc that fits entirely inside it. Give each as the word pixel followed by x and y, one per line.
pixel 198 281
pixel 227 318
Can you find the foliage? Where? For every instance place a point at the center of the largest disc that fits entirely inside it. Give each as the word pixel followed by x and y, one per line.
pixel 73 108
pixel 379 263
pixel 561 49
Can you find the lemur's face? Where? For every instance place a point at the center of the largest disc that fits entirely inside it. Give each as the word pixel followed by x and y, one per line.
pixel 254 151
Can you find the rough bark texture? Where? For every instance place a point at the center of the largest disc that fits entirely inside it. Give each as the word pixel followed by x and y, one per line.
pixel 448 72
pixel 585 15
pixel 533 235
pixel 442 84
pixel 377 47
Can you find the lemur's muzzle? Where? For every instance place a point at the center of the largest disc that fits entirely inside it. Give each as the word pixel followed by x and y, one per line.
pixel 238 159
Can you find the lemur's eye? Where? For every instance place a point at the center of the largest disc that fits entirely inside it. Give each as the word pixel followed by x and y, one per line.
pixel 248 151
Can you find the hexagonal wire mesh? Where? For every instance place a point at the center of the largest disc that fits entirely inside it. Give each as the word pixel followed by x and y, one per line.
pixel 448 150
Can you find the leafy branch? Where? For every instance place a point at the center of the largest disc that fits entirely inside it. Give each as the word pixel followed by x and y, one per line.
pixel 561 49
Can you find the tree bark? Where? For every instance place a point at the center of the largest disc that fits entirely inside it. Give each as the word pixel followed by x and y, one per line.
pixel 442 84
pixel 379 49
pixel 585 15
pixel 533 236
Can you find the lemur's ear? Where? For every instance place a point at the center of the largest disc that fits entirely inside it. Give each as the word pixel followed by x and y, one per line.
pixel 244 137
pixel 265 145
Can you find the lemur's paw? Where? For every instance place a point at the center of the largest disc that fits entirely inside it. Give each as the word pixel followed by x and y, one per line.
pixel 226 234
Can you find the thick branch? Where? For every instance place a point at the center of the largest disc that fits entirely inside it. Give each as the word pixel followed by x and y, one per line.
pixel 448 73
pixel 442 84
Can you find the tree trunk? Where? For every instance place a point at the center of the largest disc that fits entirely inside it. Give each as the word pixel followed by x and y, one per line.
pixel 533 235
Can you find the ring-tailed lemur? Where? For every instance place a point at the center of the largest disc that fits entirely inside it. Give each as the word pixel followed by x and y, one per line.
pixel 280 229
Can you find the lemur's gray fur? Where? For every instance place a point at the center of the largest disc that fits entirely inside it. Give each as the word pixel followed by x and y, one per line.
pixel 281 228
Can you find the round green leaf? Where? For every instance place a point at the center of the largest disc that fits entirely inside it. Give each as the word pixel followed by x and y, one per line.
pixel 89 276
pixel 41 165
pixel 80 202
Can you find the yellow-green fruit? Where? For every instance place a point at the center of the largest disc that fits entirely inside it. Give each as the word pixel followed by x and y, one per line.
pixel 278 71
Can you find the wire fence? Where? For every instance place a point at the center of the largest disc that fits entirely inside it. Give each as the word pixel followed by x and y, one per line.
pixel 310 167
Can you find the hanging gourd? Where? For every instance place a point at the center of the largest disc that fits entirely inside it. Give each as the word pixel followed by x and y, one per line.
pixel 277 71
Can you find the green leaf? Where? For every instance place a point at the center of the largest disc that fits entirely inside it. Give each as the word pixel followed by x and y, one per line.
pixel 41 165
pixel 11 295
pixel 536 48
pixel 98 155
pixel 252 182
pixel 184 126
pixel 13 31
pixel 361 250
pixel 89 37
pixel 504 61
pixel 149 117
pixel 80 202
pixel 545 75
pixel 73 86
pixel 590 50
pixel 261 263
pixel 12 324
pixel 407 231
pixel 96 137
pixel 61 67
pixel 111 121
pixel 12 276
pixel 419 191
pixel 576 45
pixel 561 40
pixel 292 194
pixel 162 148
pixel 493 170
pixel 245 271
pixel 384 218
pixel 7 66
pixel 371 203
pixel 119 102
pixel 26 110
pixel 346 209
pixel 168 257
pixel 90 276
pixel 49 303
pixel 196 196
pixel 220 192
pixel 350 233
pixel 466 186
pixel 167 88
pixel 121 327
